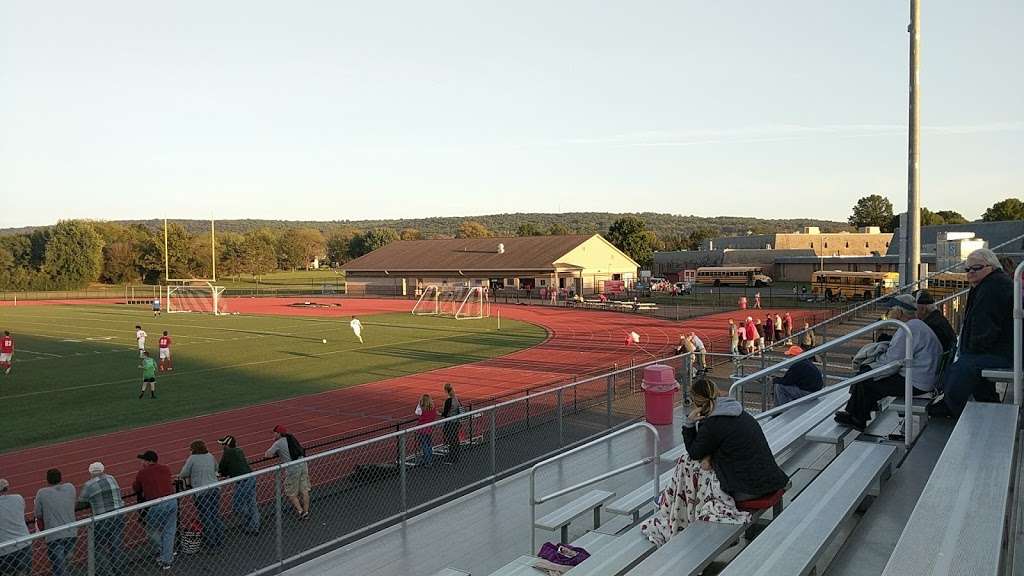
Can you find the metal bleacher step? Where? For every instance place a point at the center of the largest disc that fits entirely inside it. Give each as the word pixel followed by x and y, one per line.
pixel 630 504
pixel 451 572
pixel 592 542
pixel 617 557
pixel 560 518
pixel 690 551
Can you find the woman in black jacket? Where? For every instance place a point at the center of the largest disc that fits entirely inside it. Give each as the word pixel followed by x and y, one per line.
pixel 727 460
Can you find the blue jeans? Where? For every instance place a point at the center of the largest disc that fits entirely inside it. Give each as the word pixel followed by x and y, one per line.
pixel 426 445
pixel 17 562
pixel 109 546
pixel 962 379
pixel 208 505
pixel 162 521
pixel 58 551
pixel 243 503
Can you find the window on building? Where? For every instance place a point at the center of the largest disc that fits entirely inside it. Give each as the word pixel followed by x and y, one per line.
pixel 867 245
pixel 886 244
pixel 812 244
pixel 826 244
pixel 847 244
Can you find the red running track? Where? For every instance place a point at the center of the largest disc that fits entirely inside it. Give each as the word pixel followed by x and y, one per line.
pixel 579 342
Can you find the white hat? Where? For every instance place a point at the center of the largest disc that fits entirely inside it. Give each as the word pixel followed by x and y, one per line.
pixel 4 484
pixel 96 468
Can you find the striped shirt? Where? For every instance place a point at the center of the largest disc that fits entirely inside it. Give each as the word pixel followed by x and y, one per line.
pixel 102 494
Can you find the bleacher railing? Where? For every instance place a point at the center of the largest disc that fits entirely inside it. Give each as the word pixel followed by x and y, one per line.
pixel 1018 329
pixel 245 525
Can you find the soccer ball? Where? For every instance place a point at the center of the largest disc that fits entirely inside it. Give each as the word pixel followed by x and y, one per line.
pixel 325 340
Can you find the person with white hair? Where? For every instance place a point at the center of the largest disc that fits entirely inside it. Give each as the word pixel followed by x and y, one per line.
pixel 101 493
pixel 15 558
pixel 864 396
pixel 986 336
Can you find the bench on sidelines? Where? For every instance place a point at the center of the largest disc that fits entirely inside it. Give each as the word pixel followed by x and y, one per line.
pixel 958 523
pixel 560 518
pixel 795 540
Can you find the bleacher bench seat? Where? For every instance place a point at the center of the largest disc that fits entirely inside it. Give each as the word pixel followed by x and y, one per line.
pixel 560 518
pixel 690 551
pixel 622 554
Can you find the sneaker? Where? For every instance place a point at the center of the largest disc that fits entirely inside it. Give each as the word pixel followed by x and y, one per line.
pixel 846 419
pixel 939 410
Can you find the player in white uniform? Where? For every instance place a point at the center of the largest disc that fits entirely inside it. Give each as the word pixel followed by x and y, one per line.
pixel 357 328
pixel 140 336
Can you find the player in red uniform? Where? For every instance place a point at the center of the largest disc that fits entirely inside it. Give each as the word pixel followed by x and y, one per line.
pixel 6 352
pixel 165 353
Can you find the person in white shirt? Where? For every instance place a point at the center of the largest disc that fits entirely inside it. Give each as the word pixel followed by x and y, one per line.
pixel 699 351
pixel 357 328
pixel 140 337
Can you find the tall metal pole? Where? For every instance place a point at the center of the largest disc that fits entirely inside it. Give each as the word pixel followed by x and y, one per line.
pixel 213 249
pixel 167 265
pixel 913 231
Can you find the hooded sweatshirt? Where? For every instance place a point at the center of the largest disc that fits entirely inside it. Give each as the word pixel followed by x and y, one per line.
pixel 739 451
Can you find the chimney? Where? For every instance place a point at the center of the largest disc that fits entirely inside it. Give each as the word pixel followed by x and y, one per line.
pixel 501 248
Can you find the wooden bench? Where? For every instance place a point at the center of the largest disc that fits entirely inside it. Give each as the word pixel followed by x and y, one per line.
pixel 560 518
pixel 957 526
pixel 690 551
pixel 795 540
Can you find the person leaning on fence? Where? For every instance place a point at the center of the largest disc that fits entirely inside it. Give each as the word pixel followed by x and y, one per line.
pixel 727 460
pixel 296 480
pixel 153 482
pixel 425 414
pixel 452 407
pixel 986 336
pixel 864 396
pixel 699 350
pixel 200 470
pixel 102 494
pixel 807 338
pixel 15 558
pixel 54 507
pixel 243 499
pixel 800 379
pixel 734 338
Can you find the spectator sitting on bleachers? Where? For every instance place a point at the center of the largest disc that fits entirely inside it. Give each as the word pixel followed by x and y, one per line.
pixel 727 459
pixel 799 380
pixel 986 336
pixel 929 313
pixel 864 396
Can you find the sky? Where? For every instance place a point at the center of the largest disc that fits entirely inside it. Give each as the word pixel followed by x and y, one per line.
pixel 344 110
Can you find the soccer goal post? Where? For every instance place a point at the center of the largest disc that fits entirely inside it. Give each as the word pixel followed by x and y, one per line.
pixel 474 305
pixel 199 298
pixel 429 302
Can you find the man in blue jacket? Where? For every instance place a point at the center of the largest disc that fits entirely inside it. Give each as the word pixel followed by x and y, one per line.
pixel 799 380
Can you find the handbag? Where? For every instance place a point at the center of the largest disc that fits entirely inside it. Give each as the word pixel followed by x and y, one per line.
pixel 563 554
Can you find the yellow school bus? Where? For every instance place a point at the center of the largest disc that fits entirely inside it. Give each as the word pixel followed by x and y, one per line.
pixel 839 285
pixel 732 276
pixel 947 283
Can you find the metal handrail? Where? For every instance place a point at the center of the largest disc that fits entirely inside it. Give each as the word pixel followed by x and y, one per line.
pixel 1018 328
pixel 652 460
pixel 870 374
pixel 906 363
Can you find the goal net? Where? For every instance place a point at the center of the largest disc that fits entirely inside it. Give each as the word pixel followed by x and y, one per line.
pixel 462 303
pixel 203 299
pixel 474 304
pixel 429 302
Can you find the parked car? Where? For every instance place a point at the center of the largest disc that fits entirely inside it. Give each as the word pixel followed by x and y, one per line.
pixel 683 288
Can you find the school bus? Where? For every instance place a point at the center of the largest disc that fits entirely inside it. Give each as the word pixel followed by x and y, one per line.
pixel 947 283
pixel 839 285
pixel 732 276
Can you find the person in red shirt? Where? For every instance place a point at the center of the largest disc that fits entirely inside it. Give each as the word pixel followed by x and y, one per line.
pixel 152 483
pixel 165 353
pixel 6 352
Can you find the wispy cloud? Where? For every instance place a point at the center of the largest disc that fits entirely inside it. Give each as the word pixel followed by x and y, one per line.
pixel 782 132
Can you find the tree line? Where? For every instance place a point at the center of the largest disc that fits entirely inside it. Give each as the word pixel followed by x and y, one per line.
pixel 876 210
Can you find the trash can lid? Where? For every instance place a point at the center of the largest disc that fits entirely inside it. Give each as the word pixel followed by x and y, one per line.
pixel 659 376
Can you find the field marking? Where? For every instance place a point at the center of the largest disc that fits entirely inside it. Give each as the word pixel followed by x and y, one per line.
pixel 37 352
pixel 240 365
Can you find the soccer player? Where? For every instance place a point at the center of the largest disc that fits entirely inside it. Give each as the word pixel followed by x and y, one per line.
pixel 6 351
pixel 357 328
pixel 165 353
pixel 156 307
pixel 140 336
pixel 148 375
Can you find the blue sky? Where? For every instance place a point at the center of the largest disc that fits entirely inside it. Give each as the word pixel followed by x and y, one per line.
pixel 351 110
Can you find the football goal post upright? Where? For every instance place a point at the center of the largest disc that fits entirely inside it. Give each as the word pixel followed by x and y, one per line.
pixel 429 302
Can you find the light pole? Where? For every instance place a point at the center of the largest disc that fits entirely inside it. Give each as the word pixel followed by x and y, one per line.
pixel 913 231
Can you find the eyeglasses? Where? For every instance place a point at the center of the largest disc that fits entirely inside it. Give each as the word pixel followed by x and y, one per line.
pixel 976 267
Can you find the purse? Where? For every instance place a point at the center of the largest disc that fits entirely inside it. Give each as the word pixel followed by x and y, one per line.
pixel 563 554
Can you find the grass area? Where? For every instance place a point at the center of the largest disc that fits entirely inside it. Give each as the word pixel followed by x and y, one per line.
pixel 298 278
pixel 76 367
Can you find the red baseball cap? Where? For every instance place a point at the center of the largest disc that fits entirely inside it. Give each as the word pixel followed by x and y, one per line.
pixel 280 429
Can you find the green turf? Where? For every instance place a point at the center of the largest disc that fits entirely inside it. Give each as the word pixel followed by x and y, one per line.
pixel 76 367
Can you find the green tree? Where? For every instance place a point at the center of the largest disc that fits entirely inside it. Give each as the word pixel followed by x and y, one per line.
pixel 873 210
pixel 410 234
pixel 339 242
pixel 630 235
pixel 558 229
pixel 1009 209
pixel 74 254
pixel 529 229
pixel 230 254
pixel 298 247
pixel 697 237
pixel 371 240
pixel 951 217
pixel 259 256
pixel 472 229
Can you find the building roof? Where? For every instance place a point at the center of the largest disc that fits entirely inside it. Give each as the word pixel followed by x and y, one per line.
pixel 995 233
pixel 520 253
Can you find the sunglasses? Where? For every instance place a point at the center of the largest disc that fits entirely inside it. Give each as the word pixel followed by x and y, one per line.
pixel 975 268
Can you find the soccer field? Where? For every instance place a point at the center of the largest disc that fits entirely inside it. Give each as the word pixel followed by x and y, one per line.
pixel 76 367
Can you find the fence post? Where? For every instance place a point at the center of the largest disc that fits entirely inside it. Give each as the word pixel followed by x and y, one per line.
pixel 558 398
pixel 764 385
pixel 610 384
pixel 687 378
pixel 91 547
pixel 824 353
pixel 402 472
pixel 494 440
pixel 279 540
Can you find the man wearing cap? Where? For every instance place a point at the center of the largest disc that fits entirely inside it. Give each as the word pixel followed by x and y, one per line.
pixel 929 313
pixel 243 500
pixel 16 558
pixel 102 494
pixel 151 483
pixel 799 380
pixel 864 396
pixel 986 336
pixel 55 507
